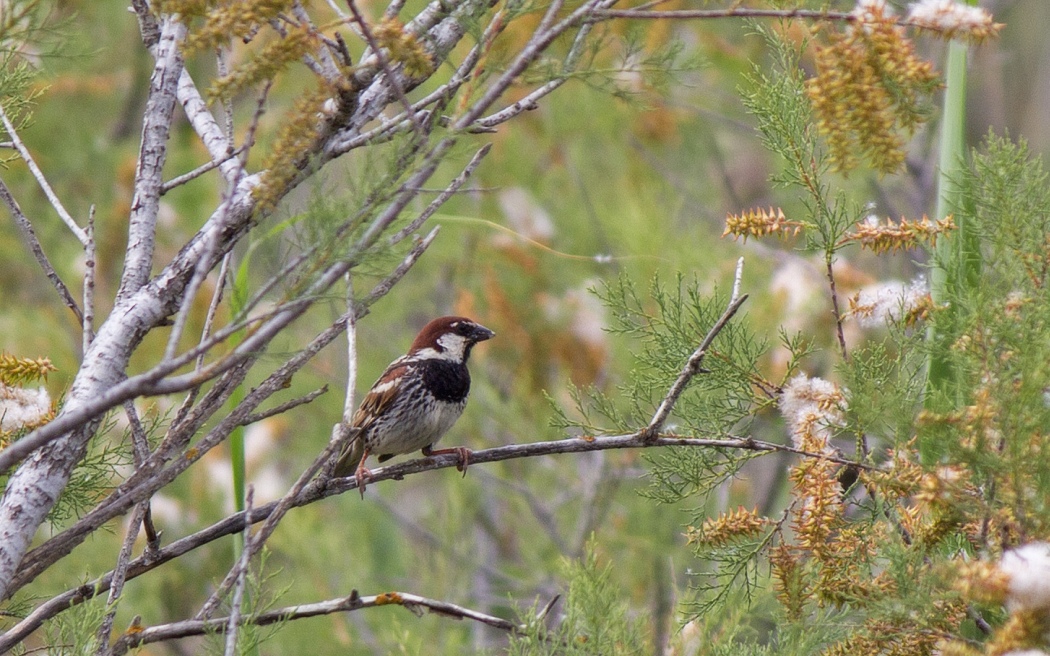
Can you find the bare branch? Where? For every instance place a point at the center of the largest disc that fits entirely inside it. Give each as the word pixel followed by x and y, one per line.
pixel 284 407
pixel 148 479
pixel 445 194
pixel 253 545
pixel 530 101
pixel 199 171
pixel 153 382
pixel 26 228
pixel 52 197
pixel 140 447
pixel 120 572
pixel 234 620
pixel 414 603
pixel 384 64
pixel 733 12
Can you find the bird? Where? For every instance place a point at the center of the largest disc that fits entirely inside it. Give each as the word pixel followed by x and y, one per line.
pixel 416 400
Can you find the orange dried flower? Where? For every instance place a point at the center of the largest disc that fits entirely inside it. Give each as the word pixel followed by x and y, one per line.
pixel 870 85
pixel 403 47
pixel 15 370
pixel 740 523
pixel 891 236
pixel 759 223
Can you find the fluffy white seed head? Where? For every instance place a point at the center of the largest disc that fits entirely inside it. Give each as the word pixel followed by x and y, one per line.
pixel 870 10
pixel 887 302
pixel 21 407
pixel 812 408
pixel 1028 568
pixel 949 16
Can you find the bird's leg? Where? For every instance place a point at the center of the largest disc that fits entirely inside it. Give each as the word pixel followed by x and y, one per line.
pixel 362 474
pixel 462 452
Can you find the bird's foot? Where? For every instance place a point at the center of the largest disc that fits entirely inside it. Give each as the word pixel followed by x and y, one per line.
pixel 361 475
pixel 462 453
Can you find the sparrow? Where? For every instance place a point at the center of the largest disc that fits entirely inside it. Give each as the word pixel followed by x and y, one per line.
pixel 416 400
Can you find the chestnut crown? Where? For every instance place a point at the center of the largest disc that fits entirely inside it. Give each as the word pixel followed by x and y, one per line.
pixel 449 338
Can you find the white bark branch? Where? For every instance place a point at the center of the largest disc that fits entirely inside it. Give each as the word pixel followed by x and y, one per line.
pixel 160 105
pixel 150 477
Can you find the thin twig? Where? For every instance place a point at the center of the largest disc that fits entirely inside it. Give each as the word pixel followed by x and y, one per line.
pixel 213 306
pixel 733 12
pixel 26 228
pixel 388 70
pixel 234 620
pixel 641 12
pixel 120 572
pixel 351 351
pixel 284 407
pixel 835 309
pixel 197 172
pixel 286 503
pixel 692 366
pixel 531 100
pixel 141 452
pixel 445 194
pixel 77 231
pixel 415 603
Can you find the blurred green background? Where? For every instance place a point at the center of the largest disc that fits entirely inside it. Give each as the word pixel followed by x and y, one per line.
pixel 586 188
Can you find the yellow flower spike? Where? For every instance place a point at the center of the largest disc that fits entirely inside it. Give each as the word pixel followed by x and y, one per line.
pixel 760 223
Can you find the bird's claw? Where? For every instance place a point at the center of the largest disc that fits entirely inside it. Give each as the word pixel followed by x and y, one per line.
pixel 462 455
pixel 361 475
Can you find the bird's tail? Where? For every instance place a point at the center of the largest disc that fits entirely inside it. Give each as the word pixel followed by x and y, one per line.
pixel 351 456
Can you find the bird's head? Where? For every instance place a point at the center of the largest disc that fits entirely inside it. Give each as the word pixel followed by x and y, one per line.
pixel 449 338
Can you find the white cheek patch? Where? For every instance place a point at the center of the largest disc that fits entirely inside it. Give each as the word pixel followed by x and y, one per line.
pixel 454 346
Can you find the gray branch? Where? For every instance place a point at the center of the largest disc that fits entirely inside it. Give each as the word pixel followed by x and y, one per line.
pixel 414 603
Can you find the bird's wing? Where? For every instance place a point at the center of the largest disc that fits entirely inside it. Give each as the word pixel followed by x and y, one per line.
pixel 382 394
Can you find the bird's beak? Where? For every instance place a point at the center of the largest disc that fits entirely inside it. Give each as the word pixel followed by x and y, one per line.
pixel 481 333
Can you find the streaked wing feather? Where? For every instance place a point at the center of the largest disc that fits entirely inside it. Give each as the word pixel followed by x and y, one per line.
pixel 382 394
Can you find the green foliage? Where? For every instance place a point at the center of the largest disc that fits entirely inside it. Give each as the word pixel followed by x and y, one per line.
pixel 594 620
pixel 667 327
pixel 627 65
pixel 1007 197
pixel 261 593
pixel 97 474
pixel 73 632
pixel 777 100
